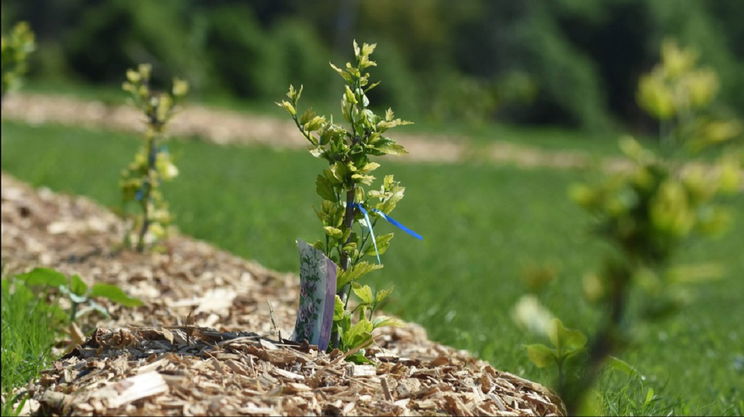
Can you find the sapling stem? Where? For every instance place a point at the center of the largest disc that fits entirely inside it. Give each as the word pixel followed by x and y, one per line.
pixel 605 343
pixel 147 185
pixel 73 311
pixel 346 226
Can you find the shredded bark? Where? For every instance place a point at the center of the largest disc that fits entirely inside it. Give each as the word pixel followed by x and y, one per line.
pixel 208 340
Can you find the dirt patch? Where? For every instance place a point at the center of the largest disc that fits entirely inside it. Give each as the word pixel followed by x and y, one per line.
pixel 204 342
pixel 229 127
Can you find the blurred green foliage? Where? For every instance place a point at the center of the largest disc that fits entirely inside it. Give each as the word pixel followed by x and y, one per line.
pixel 563 61
pixel 152 165
pixel 16 47
pixel 647 213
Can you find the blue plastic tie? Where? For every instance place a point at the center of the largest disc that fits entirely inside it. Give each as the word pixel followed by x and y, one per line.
pixel 398 224
pixel 371 231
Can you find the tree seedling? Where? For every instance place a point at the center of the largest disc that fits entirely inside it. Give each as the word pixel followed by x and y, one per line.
pixel 646 213
pixel 347 196
pixel 140 182
pixel 78 292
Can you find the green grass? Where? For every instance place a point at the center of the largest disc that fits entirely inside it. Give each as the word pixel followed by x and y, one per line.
pixel 482 226
pixel 28 333
pixel 597 144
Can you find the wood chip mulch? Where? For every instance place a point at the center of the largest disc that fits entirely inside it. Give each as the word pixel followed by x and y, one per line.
pixel 208 340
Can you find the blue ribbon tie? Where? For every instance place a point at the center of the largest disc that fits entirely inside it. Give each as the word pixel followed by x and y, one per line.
pixel 389 220
pixel 369 225
pixel 398 224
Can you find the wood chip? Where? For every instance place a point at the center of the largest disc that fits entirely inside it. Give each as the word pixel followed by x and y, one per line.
pixel 363 370
pixel 167 358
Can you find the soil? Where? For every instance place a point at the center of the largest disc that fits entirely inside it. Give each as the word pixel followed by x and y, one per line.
pixel 208 339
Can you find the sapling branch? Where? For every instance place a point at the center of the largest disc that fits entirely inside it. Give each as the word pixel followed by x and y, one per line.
pixel 146 191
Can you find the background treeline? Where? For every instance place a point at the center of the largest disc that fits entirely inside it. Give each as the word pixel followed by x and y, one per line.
pixel 568 62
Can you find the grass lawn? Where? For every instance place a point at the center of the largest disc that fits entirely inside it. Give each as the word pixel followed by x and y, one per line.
pixel 482 226
pixel 596 144
pixel 26 337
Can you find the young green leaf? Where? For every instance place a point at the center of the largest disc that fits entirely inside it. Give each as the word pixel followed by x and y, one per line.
pixel 565 339
pixel 356 272
pixel 541 355
pixel 364 293
pixel 382 294
pixel 620 365
pixel 115 294
pixel 383 321
pixel 360 334
pixel 44 276
pixel 77 286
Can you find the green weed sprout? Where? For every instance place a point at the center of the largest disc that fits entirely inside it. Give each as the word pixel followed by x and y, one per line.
pixel 347 196
pixel 646 214
pixel 78 292
pixel 140 182
pixel 16 47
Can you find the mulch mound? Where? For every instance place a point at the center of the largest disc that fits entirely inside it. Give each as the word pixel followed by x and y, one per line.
pixel 208 340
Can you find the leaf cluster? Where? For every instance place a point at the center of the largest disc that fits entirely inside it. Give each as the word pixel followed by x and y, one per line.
pixel 346 187
pixel 650 210
pixel 679 93
pixel 16 47
pixel 357 336
pixel 78 292
pixel 152 164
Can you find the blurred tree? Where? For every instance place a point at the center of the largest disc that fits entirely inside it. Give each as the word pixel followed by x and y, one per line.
pixel 241 56
pixel 303 56
pixel 572 62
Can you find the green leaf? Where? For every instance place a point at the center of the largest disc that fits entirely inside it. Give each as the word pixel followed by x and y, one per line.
pixel 355 272
pixel 44 276
pixel 338 309
pixel 383 243
pixel 391 148
pixel 382 294
pixel 364 293
pixel 565 339
pixel 364 179
pixel 287 106
pixel 324 188
pixel 115 294
pixel 77 286
pixel 383 321
pixel 359 358
pixel 308 115
pixel 620 365
pixel 541 355
pixel 369 167
pixel 333 232
pixel 359 334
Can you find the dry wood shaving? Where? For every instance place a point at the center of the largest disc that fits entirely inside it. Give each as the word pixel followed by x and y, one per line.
pixel 204 342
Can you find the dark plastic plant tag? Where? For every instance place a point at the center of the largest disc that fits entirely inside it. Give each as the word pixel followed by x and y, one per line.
pixel 317 297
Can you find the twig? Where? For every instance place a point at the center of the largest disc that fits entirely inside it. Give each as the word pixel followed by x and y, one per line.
pixel 273 323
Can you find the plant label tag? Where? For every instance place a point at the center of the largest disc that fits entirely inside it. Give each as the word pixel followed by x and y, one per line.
pixel 317 297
